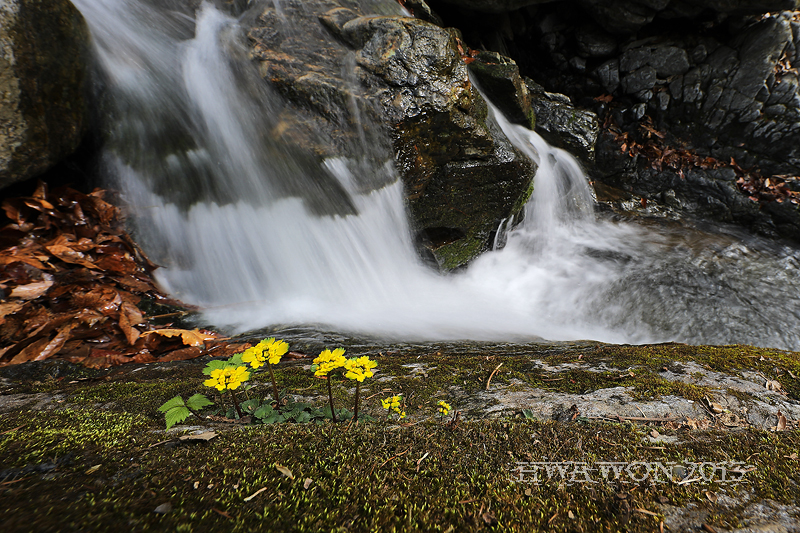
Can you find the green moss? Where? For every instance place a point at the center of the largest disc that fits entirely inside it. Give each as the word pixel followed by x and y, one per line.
pixel 734 359
pixel 380 476
pixel 460 252
pixel 363 478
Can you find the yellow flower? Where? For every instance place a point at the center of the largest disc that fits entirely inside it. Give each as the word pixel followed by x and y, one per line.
pixel 254 357
pixel 275 349
pixel 444 408
pixel 359 368
pixel 329 361
pixel 268 350
pixel 227 378
pixel 392 405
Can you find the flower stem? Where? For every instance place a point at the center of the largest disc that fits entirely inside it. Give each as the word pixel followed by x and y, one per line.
pixel 330 398
pixel 236 404
pixel 274 387
pixel 355 410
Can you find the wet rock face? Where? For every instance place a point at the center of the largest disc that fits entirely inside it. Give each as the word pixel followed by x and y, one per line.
pixel 714 78
pixel 401 82
pixel 43 57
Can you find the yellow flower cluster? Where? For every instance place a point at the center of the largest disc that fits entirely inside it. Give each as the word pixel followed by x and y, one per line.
pixel 329 361
pixel 268 350
pixel 444 408
pixel 359 368
pixel 227 378
pixel 393 406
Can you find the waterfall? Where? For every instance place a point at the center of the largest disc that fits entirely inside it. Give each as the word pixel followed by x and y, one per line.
pixel 256 233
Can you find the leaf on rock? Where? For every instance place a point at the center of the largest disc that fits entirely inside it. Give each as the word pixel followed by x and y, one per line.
pixel 285 471
pixel 197 437
pixel 183 354
pixel 782 422
pixel 194 337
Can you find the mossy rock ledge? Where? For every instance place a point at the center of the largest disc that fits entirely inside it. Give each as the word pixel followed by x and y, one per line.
pixel 86 449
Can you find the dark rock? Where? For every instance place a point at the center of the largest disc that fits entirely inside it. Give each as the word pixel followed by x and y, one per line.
pixel 666 60
pixel 43 118
pixel 564 125
pixel 594 42
pixel 499 78
pixel 402 80
pixel 639 80
pixel 493 6
pixel 608 75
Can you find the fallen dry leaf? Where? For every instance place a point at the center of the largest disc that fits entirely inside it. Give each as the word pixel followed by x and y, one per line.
pixel 30 352
pixel 714 407
pixel 285 471
pixel 773 386
pixel 31 291
pixel 193 337
pixel 55 345
pixel 204 436
pixel 256 493
pixel 68 255
pixel 9 308
pixel 781 426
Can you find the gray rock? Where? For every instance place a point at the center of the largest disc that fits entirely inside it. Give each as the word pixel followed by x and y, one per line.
pixel 667 60
pixel 44 50
pixel 499 78
pixel 608 74
pixel 639 80
pixel 564 125
pixel 594 42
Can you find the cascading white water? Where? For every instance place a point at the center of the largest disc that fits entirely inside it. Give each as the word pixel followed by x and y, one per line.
pixel 186 127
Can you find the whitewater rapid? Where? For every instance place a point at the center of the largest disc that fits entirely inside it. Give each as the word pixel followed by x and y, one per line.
pixel 209 203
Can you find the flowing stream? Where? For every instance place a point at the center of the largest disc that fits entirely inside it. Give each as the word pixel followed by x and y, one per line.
pixel 257 234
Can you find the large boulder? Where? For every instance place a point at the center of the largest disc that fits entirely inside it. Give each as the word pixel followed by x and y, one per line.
pixel 382 84
pixel 44 48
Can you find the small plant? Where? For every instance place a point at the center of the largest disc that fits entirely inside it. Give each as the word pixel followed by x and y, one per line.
pixel 176 410
pixel 324 364
pixel 444 408
pixel 392 406
pixel 359 369
pixel 269 351
pixel 229 377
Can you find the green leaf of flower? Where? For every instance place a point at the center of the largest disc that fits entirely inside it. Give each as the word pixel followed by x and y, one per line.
pixel 214 365
pixel 236 360
pixel 177 414
pixel 250 405
pixel 302 417
pixel 174 402
pixel 198 401
pixel 265 411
